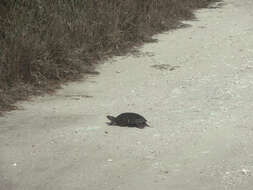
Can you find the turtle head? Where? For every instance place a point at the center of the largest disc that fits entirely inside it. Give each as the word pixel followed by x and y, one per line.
pixel 112 119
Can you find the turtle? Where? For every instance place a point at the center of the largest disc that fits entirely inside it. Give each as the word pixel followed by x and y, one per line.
pixel 128 119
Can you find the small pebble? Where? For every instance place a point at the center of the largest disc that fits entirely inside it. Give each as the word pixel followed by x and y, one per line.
pixel 245 172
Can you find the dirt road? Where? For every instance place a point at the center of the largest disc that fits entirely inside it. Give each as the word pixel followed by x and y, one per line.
pixel 195 86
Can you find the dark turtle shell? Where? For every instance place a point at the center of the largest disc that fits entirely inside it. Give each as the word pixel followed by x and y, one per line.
pixel 128 119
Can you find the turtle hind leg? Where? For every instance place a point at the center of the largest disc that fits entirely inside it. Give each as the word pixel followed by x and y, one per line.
pixel 147 125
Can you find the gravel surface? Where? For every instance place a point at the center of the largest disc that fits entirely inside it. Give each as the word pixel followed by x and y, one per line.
pixel 195 86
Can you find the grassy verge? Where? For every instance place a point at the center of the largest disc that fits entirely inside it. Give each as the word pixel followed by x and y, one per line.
pixel 44 43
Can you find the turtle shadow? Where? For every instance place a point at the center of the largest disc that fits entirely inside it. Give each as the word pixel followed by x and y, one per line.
pixel 126 126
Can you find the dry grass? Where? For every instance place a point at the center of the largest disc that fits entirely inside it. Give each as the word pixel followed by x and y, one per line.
pixel 44 43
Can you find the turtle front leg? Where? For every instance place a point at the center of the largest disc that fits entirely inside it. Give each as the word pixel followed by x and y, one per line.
pixel 140 126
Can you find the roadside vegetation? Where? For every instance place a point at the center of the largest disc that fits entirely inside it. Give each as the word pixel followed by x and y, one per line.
pixel 44 43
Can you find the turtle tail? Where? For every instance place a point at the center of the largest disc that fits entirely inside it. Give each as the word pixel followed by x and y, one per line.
pixel 111 118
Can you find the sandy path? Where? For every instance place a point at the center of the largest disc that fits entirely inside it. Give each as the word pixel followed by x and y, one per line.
pixel 201 113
